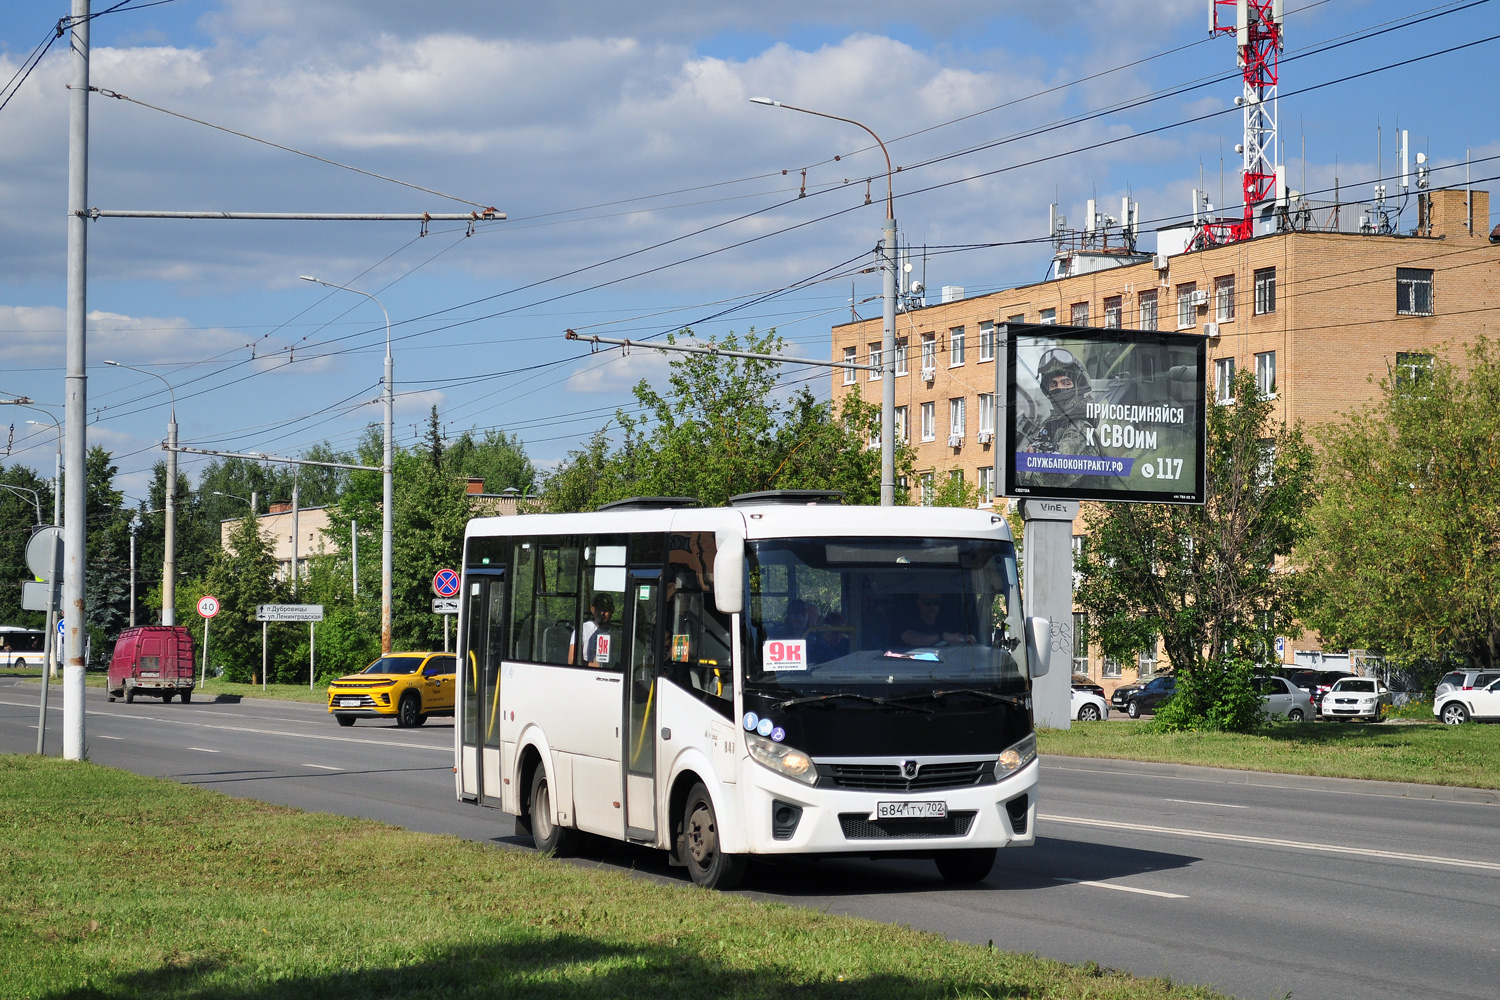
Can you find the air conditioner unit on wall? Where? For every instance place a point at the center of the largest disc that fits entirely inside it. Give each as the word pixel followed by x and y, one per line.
pixel 985 437
pixel 1200 297
pixel 955 440
pixel 1211 331
pixel 928 374
pixel 1161 262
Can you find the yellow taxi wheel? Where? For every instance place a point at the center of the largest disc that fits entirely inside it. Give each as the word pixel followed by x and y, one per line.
pixel 345 720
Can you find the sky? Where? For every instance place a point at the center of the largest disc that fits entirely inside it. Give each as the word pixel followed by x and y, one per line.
pixel 643 191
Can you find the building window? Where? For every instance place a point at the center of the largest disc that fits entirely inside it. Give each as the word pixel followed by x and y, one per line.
pixel 1412 369
pixel 987 413
pixel 1224 298
pixel 1049 317
pixel 900 422
pixel 1079 314
pixel 1080 643
pixel 1187 304
pixel 1265 291
pixel 875 437
pixel 929 421
pixel 987 340
pixel 1224 380
pixel 986 484
pixel 1265 373
pixel 1111 667
pixel 1267 466
pixel 1113 308
pixel 956 417
pixel 928 490
pixel 851 356
pixel 955 347
pixel 956 476
pixel 1413 291
pixel 901 368
pixel 1147 302
pixel 877 358
pixel 929 351
pixel 1145 661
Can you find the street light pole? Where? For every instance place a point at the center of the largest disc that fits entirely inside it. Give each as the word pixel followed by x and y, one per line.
pixel 169 543
pixel 387 467
pixel 888 333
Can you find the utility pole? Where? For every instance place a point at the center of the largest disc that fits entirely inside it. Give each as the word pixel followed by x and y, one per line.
pixel 75 538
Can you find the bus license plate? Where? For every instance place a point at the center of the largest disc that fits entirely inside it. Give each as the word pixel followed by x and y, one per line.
pixel 911 810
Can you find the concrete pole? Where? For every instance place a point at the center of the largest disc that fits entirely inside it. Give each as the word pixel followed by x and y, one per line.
pixel 133 529
pixel 295 511
pixel 388 491
pixel 75 539
pixel 354 556
pixel 169 556
pixel 888 369
pixel 1048 591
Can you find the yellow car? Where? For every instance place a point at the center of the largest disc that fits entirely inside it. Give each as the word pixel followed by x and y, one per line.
pixel 409 686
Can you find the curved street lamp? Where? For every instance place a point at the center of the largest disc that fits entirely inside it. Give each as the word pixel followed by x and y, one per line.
pixel 888 332
pixel 387 464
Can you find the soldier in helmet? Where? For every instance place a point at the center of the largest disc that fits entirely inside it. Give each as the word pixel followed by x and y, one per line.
pixel 1065 383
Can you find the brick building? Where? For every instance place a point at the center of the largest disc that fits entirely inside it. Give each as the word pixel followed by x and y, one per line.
pixel 1320 316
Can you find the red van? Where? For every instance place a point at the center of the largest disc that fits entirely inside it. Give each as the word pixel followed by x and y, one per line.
pixel 154 660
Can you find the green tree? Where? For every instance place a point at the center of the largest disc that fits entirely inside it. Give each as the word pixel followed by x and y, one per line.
pixel 718 430
pixel 495 456
pixel 18 519
pixel 243 575
pixel 1205 578
pixel 1404 552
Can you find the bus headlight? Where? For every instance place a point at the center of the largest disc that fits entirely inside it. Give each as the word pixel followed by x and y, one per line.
pixel 1015 757
pixel 782 759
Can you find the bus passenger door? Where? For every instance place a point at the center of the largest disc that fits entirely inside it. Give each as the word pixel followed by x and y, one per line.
pixel 481 655
pixel 639 750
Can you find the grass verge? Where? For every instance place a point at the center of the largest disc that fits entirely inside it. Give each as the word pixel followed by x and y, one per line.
pixel 114 885
pixel 216 686
pixel 1433 755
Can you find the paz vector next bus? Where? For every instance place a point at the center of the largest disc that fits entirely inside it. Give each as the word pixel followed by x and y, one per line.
pixel 782 676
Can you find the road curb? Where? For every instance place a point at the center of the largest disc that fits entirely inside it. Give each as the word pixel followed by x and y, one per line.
pixel 1276 779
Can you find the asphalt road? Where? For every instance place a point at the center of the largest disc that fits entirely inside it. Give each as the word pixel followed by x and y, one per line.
pixel 1260 885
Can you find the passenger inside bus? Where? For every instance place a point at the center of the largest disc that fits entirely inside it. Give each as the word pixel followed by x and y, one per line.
pixel 932 621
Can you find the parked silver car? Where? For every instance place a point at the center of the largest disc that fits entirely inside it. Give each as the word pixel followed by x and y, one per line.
pixel 1281 699
pixel 1464 680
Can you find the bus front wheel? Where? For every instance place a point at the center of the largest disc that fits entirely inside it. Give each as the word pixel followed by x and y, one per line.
pixel 549 837
pixel 708 865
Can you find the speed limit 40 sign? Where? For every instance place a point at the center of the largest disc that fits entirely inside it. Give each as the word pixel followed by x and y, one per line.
pixel 208 606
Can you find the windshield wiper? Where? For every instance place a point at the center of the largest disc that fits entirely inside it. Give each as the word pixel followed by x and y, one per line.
pixel 882 702
pixel 1018 700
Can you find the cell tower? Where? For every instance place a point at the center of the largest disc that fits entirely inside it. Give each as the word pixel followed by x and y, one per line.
pixel 1257 29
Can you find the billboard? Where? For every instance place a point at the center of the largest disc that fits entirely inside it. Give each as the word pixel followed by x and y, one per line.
pixel 1103 414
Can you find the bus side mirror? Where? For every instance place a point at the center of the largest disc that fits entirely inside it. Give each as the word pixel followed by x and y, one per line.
pixel 1038 645
pixel 729 573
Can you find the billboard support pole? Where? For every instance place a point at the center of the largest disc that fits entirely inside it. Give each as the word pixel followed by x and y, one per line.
pixel 1048 587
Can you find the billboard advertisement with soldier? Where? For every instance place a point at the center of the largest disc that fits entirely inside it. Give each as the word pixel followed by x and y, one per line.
pixel 1104 414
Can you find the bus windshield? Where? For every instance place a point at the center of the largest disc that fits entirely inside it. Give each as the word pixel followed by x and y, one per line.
pixel 883 616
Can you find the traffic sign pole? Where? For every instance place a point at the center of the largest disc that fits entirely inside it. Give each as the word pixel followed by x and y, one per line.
pixel 208 606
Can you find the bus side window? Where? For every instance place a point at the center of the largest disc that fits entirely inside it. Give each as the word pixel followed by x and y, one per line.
pixel 556 600
pixel 524 561
pixel 697 637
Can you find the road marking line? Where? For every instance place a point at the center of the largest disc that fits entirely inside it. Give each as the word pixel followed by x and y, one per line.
pixel 1121 888
pixel 101 736
pixel 1197 802
pixel 1300 845
pixel 323 767
pixel 203 749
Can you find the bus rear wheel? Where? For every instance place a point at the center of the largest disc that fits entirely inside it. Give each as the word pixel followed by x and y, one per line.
pixel 967 866
pixel 558 841
pixel 708 865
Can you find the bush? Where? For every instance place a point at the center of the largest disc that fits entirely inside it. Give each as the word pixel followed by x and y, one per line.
pixel 1218 694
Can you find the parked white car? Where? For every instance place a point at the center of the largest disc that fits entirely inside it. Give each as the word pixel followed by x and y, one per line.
pixel 1281 699
pixel 1479 704
pixel 1088 706
pixel 1356 698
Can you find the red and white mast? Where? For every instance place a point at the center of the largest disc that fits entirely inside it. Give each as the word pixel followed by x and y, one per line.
pixel 1257 29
